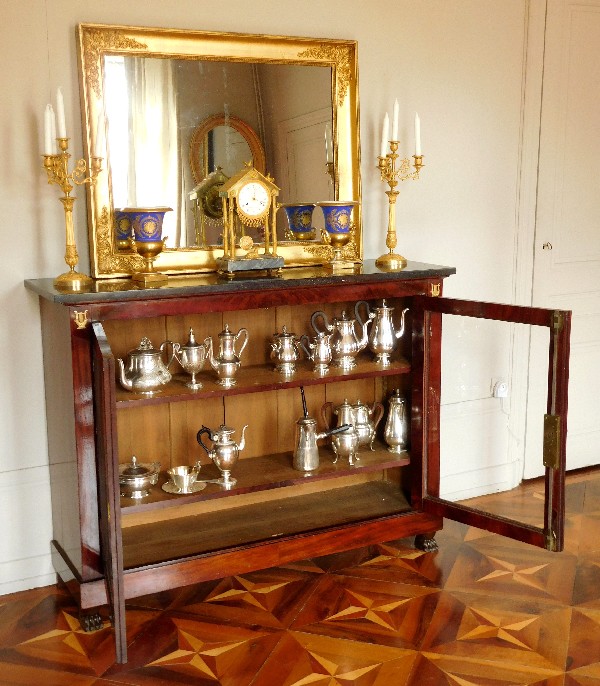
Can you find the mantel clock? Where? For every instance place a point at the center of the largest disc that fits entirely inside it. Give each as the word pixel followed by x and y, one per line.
pixel 249 200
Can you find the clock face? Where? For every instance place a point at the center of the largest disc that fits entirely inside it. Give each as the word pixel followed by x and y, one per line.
pixel 253 200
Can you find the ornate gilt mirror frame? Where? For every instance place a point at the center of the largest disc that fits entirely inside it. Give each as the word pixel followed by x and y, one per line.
pixel 95 42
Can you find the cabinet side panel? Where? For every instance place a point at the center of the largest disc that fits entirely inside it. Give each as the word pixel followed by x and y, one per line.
pixel 60 419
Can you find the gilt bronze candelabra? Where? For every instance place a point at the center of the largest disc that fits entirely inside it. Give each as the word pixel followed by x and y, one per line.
pixel 57 168
pixel 391 174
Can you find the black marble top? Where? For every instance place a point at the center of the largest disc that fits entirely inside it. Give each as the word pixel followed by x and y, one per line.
pixel 119 290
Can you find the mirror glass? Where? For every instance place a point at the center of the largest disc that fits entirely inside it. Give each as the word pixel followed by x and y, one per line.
pixel 178 115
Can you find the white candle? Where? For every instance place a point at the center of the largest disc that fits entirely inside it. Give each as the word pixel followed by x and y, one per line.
pixel 53 130
pixel 48 147
pixel 60 114
pixel 385 135
pixel 100 136
pixel 395 121
pixel 417 135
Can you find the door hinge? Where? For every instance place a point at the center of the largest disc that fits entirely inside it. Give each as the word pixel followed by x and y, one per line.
pixel 552 441
pixel 558 320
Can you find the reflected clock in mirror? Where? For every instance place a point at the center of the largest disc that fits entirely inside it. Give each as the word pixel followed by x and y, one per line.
pixel 181 108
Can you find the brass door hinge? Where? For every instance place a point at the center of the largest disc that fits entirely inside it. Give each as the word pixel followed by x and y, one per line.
pixel 551 440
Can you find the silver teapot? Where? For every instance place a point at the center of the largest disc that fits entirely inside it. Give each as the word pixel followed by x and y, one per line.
pixel 395 433
pixel 383 336
pixel 145 371
pixel 284 351
pixel 318 351
pixel 364 419
pixel 227 362
pixel 224 451
pixel 191 357
pixel 345 343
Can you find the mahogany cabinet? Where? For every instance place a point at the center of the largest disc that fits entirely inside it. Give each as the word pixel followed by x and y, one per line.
pixel 109 549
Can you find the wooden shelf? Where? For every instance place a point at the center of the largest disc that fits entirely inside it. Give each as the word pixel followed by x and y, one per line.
pixel 165 541
pixel 259 378
pixel 266 472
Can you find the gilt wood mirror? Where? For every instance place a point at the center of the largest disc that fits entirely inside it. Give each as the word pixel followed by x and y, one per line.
pixel 152 97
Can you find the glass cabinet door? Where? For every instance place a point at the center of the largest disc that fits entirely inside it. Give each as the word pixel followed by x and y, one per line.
pixel 538 519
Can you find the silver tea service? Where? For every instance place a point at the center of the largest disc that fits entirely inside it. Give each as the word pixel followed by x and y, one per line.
pixel 345 342
pixel 191 356
pixel 224 451
pixel 144 370
pixel 383 337
pixel 395 432
pixel 183 480
pixel 227 362
pixel 284 351
pixel 306 453
pixel 135 478
pixel 363 418
pixel 318 351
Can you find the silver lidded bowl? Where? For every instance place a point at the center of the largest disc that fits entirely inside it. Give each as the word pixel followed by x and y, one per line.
pixel 135 478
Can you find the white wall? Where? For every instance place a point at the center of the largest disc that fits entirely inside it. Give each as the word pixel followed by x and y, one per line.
pixel 458 62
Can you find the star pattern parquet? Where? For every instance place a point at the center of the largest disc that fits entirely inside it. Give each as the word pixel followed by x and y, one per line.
pixel 482 611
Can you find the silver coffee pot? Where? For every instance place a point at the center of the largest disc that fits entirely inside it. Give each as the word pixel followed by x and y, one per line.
pixel 224 451
pixel 345 343
pixel 228 361
pixel 284 351
pixel 366 420
pixel 318 351
pixel 383 336
pixel 145 371
pixel 191 357
pixel 306 453
pixel 395 433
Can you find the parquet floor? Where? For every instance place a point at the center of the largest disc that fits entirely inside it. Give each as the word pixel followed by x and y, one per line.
pixel 482 611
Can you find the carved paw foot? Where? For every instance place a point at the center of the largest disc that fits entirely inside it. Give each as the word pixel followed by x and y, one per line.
pixel 91 622
pixel 426 543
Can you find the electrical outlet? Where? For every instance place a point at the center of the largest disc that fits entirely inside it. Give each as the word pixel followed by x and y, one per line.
pixel 500 389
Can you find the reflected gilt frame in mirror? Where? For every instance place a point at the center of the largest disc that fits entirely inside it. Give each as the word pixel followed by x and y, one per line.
pixel 97 41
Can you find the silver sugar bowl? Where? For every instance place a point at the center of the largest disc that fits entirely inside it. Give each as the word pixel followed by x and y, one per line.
pixel 136 478
pixel 191 357
pixel 284 351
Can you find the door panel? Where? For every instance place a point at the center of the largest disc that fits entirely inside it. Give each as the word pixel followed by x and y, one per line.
pixel 108 483
pixel 567 242
pixel 428 316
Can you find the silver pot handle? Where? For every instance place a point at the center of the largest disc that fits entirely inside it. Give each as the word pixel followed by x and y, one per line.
pixel 319 314
pixel 237 335
pixel 359 319
pixel 175 347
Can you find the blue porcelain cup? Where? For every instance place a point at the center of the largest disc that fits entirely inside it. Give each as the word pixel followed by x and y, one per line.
pixel 338 219
pixel 123 230
pixel 147 222
pixel 299 217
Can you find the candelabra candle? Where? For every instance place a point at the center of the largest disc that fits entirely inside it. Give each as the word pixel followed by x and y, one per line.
pixel 392 173
pixel 57 169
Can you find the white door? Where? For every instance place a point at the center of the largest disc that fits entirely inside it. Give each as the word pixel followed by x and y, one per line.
pixel 567 240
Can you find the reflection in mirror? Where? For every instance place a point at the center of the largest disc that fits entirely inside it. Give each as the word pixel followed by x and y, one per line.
pixel 159 111
pixel 146 90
